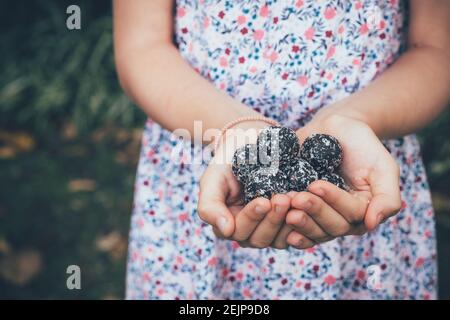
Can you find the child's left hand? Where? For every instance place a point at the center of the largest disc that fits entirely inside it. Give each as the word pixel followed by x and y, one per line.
pixel 325 211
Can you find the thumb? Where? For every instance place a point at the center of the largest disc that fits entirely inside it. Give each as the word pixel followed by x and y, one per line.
pixel 212 207
pixel 385 187
pixel 216 213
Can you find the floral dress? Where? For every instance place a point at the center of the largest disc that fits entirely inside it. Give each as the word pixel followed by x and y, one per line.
pixel 286 59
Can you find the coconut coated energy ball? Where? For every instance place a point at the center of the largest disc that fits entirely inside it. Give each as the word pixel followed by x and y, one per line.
pixel 301 174
pixel 322 151
pixel 277 145
pixel 335 179
pixel 245 160
pixel 265 183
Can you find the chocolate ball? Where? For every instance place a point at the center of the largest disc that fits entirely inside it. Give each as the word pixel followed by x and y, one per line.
pixel 301 174
pixel 335 179
pixel 245 160
pixel 322 151
pixel 265 182
pixel 277 145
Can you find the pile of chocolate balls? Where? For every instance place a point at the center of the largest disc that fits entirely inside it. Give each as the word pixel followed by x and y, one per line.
pixel 278 164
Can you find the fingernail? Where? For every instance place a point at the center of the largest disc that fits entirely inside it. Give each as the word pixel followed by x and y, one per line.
pixel 306 205
pixel 320 192
pixel 298 240
pixel 222 224
pixel 279 209
pixel 260 210
pixel 379 218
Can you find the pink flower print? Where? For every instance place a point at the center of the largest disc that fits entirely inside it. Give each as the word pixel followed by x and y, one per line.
pixel 356 62
pixel 311 250
pixel 364 29
pixel 239 276
pixel 330 280
pixel 235 245
pixel 253 69
pixel 331 52
pixel 212 262
pixel 183 217
pixel 270 55
pixel 246 293
pixel 223 62
pixel 309 34
pixel 329 13
pixel 341 29
pixel 181 12
pixel 264 11
pixel 393 2
pixel 420 261
pixel 160 291
pixel 241 59
pixel 241 20
pixel 358 5
pixel 206 22
pixel 302 80
pixel 222 86
pixel 329 76
pixel 146 277
pixel 258 35
pixel 361 274
pixel 298 284
pixel 382 25
pixel 299 3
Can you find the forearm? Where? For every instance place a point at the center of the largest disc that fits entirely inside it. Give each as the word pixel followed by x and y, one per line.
pixel 162 83
pixel 405 98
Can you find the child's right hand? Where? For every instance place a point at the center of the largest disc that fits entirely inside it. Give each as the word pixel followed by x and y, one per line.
pixel 256 224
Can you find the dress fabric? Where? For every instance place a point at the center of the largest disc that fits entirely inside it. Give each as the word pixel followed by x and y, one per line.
pixel 285 59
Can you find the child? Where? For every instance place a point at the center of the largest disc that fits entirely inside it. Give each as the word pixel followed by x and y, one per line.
pixel 358 70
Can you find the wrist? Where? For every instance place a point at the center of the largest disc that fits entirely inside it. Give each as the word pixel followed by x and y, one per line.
pixel 337 114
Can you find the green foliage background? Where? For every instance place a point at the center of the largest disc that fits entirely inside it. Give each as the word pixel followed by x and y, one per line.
pixel 68 151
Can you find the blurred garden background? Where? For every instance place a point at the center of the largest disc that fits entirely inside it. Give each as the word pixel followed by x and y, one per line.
pixel 69 144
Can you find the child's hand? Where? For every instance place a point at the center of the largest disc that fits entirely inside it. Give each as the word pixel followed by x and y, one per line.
pixel 373 176
pixel 256 224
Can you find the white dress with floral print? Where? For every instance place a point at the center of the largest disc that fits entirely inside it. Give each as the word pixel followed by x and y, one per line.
pixel 285 59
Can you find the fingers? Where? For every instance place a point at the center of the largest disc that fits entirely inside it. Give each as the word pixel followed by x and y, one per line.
pixel 299 241
pixel 325 216
pixel 385 187
pixel 305 225
pixel 249 217
pixel 214 189
pixel 216 213
pixel 266 231
pixel 350 206
pixel 280 240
